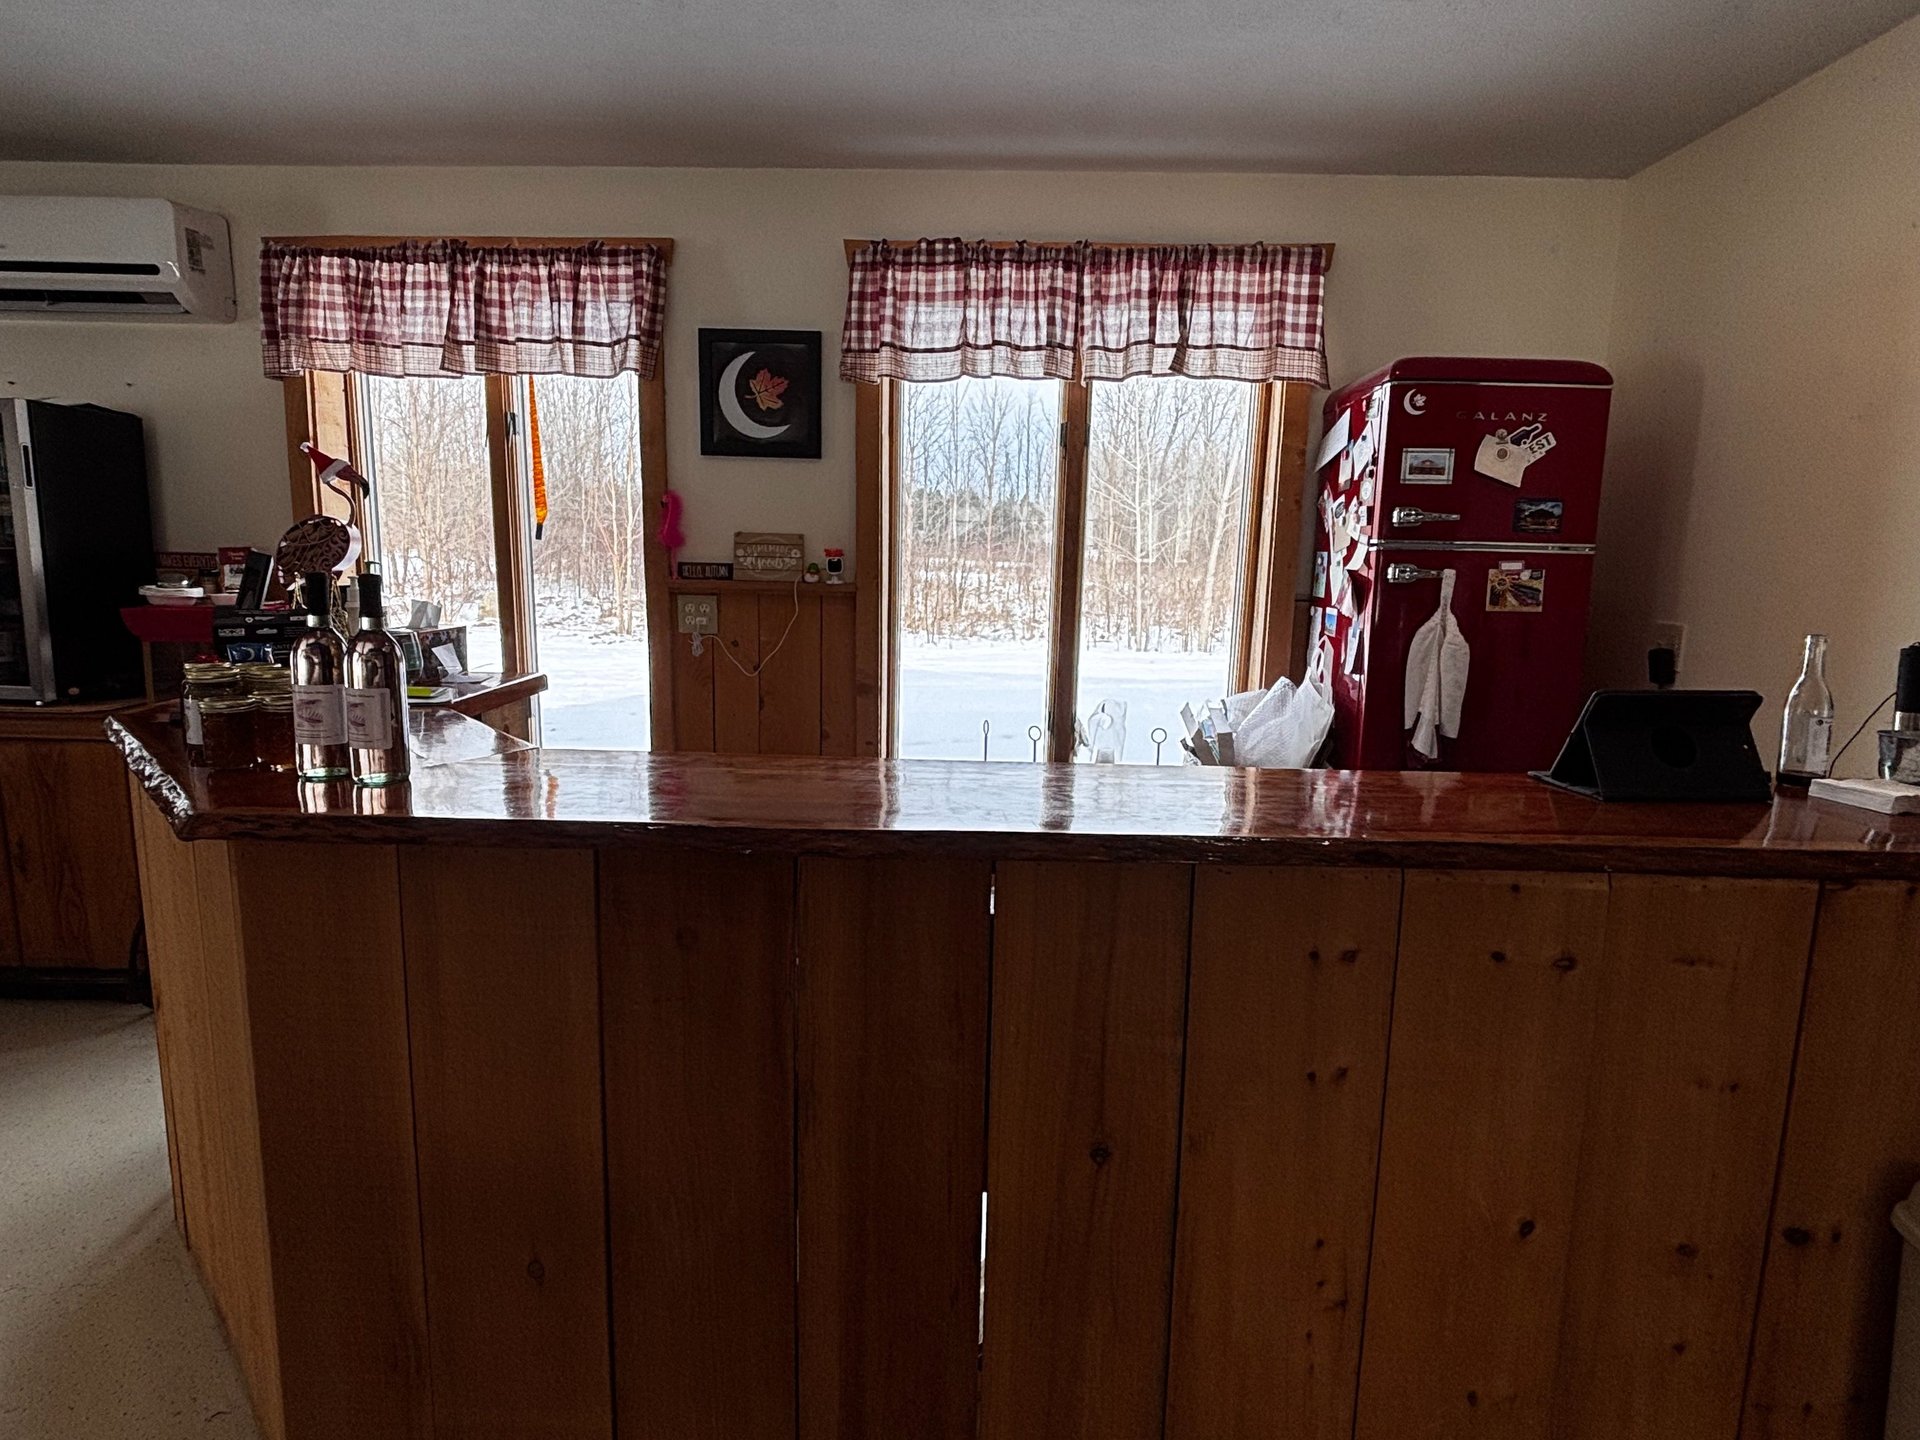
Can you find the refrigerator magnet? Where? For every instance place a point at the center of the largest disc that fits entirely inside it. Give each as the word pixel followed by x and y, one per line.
pixel 1516 589
pixel 1319 574
pixel 1538 516
pixel 1426 467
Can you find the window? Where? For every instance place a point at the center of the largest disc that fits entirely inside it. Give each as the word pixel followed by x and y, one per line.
pixel 977 486
pixel 588 579
pixel 460 465
pixel 451 521
pixel 1072 563
pixel 1167 490
pixel 423 444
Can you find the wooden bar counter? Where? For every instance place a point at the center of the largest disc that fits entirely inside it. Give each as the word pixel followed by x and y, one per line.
pixel 573 1094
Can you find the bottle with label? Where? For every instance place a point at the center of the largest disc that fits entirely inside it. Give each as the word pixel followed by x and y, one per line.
pixel 318 663
pixel 376 695
pixel 1806 730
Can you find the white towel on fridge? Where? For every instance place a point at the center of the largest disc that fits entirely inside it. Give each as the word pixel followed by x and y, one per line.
pixel 1436 675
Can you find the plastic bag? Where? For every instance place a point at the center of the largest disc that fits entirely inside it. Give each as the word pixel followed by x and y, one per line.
pixel 1286 729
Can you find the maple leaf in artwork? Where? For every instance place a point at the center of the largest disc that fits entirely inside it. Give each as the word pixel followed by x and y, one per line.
pixel 767 389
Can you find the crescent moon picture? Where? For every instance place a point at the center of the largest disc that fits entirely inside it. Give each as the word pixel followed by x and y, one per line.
pixel 728 395
pixel 760 396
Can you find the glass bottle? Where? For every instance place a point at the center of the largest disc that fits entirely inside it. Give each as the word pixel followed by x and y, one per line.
pixel 376 695
pixel 1806 730
pixel 319 668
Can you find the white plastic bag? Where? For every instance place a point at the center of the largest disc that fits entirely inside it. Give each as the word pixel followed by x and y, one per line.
pixel 1286 729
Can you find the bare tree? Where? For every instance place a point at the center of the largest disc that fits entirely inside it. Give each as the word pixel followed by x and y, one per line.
pixel 1166 501
pixel 431 475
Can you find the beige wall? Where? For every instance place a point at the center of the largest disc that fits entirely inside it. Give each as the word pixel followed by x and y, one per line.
pixel 1764 474
pixel 1424 265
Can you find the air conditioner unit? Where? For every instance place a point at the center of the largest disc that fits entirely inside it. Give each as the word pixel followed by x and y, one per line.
pixel 100 259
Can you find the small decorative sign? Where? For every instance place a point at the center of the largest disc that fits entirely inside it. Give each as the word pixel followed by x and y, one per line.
pixel 705 570
pixel 761 555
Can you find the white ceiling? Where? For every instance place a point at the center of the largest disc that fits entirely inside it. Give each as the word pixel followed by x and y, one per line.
pixel 1513 87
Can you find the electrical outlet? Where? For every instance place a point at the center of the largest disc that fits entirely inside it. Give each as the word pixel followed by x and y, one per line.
pixel 1670 635
pixel 698 614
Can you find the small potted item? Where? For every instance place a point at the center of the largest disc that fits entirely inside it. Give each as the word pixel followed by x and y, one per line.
pixel 812 577
pixel 836 564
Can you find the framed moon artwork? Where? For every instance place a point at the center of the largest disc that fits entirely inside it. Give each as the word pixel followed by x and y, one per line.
pixel 760 393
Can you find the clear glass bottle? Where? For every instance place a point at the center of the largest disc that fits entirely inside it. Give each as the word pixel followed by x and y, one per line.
pixel 319 667
pixel 1806 729
pixel 376 696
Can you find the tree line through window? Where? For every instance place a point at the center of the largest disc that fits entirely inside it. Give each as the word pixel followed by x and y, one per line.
pixel 977 477
pixel 426 443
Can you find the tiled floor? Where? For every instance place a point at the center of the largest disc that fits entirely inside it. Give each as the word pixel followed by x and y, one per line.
pixel 105 1333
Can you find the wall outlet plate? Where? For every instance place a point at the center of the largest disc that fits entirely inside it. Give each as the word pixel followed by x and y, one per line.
pixel 697 614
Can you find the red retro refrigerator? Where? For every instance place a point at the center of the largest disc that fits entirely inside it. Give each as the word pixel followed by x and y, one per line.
pixel 1491 469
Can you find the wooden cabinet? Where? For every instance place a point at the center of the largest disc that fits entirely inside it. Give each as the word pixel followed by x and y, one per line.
pixel 69 891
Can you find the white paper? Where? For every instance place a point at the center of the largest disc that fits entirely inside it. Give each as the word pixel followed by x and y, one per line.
pixel 1363 448
pixel 449 659
pixel 1335 440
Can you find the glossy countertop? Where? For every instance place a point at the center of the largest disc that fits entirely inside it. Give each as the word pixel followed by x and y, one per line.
pixel 472 785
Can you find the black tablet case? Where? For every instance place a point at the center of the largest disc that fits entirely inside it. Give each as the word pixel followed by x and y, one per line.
pixel 1663 745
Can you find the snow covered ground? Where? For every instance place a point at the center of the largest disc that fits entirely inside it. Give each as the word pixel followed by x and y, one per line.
pixel 947 691
pixel 598 686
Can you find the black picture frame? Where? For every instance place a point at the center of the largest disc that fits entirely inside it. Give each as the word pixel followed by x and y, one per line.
pixel 737 359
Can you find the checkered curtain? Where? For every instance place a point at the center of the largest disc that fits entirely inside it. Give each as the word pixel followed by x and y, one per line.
pixel 940 309
pixel 447 308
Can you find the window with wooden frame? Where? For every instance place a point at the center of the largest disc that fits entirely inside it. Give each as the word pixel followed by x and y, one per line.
pixel 452 521
pixel 1054 551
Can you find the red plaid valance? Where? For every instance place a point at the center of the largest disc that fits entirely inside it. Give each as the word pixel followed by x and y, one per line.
pixel 940 309
pixel 446 308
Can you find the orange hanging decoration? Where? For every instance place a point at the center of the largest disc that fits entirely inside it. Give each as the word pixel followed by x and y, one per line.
pixel 539 462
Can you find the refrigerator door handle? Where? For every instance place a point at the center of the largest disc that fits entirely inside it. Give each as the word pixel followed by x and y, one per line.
pixel 1401 573
pixel 1414 515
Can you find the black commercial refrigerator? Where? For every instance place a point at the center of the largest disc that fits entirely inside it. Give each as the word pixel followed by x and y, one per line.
pixel 76 544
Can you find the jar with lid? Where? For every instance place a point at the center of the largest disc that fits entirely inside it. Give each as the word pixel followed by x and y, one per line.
pixel 226 731
pixel 265 679
pixel 273 730
pixel 201 682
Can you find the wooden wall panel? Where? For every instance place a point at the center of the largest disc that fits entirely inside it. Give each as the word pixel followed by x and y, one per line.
pixel 503 1005
pixel 70 842
pixel 1291 991
pixel 736 693
pixel 327 1002
pixel 1689 1086
pixel 1824 1342
pixel 1089 994
pixel 1493 1018
pixel 838 722
pixel 693 693
pixel 207 1090
pixel 790 683
pixel 892 1050
pixel 696 982
pixel 170 905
